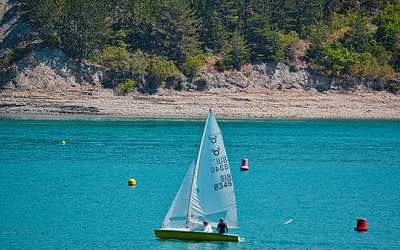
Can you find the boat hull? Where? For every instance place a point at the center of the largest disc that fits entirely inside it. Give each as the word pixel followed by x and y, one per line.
pixel 195 236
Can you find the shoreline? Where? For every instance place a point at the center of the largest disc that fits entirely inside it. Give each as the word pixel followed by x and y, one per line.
pixel 186 104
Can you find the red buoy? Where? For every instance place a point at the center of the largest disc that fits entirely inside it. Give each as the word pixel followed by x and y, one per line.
pixel 361 224
pixel 245 165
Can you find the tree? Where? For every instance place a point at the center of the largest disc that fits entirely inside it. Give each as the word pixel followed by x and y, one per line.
pixel 174 34
pixel 308 13
pixel 211 30
pixel 46 15
pixel 369 66
pixel 359 35
pixel 84 27
pixel 263 42
pixel 236 53
pixel 318 35
pixel 115 58
pixel 388 22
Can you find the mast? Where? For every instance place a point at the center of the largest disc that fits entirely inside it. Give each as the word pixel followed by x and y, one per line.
pixel 194 179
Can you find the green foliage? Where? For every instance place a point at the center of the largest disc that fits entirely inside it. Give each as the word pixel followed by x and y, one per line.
pixel 388 23
pixel 174 34
pixel 139 62
pixel 388 31
pixel 263 42
pixel 12 55
pixel 339 59
pixel 236 53
pixel 395 87
pixel 8 58
pixel 159 69
pixel 115 58
pixel 126 86
pixel 360 38
pixel 220 66
pixel 318 35
pixel 368 66
pixel 193 64
pixel 288 44
pixel 47 16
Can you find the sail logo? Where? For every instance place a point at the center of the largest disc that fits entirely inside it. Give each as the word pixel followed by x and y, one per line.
pixel 215 151
pixel 213 139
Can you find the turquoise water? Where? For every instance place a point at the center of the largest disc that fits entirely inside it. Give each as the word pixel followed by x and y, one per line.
pixel 322 174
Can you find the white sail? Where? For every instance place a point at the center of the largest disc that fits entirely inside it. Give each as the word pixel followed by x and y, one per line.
pixel 213 195
pixel 207 192
pixel 177 213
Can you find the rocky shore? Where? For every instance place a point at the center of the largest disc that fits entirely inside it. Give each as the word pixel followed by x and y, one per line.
pixel 168 103
pixel 47 82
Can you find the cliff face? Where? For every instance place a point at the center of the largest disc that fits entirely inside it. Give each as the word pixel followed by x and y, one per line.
pixel 52 70
pixel 279 76
pixel 49 69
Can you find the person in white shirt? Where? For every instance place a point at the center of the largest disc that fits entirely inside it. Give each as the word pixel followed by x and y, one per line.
pixel 207 227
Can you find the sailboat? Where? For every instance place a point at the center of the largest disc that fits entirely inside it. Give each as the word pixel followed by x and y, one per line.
pixel 206 193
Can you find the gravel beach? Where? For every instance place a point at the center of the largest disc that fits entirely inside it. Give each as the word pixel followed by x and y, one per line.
pixel 166 103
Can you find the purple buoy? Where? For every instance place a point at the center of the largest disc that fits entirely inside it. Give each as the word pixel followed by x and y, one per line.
pixel 245 164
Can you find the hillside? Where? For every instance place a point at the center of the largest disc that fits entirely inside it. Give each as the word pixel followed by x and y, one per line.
pixel 46 81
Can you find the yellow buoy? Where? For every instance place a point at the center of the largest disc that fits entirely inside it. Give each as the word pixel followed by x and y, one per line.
pixel 63 142
pixel 132 182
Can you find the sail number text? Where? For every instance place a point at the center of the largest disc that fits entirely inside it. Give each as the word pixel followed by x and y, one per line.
pixel 225 181
pixel 221 165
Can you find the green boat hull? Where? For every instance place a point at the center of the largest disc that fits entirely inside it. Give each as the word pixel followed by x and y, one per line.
pixel 195 236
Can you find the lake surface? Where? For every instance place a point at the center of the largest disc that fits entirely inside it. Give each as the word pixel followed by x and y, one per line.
pixel 322 174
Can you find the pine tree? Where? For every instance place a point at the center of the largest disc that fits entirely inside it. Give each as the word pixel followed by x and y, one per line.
pixel 84 27
pixel 236 53
pixel 174 34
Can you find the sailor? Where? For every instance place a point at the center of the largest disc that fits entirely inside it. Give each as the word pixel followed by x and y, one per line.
pixel 222 228
pixel 207 227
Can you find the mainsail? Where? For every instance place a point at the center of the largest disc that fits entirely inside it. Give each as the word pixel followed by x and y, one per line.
pixel 206 193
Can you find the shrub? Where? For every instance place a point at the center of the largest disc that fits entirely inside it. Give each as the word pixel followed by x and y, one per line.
pixel 158 70
pixel 8 58
pixel 115 58
pixel 368 66
pixel 193 64
pixel 125 87
pixel 288 44
pixel 339 59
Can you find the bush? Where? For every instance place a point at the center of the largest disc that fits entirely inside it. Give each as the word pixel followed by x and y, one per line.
pixel 193 64
pixel 125 87
pixel 368 66
pixel 288 44
pixel 115 58
pixel 8 58
pixel 395 87
pixel 158 70
pixel 220 66
pixel 339 59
